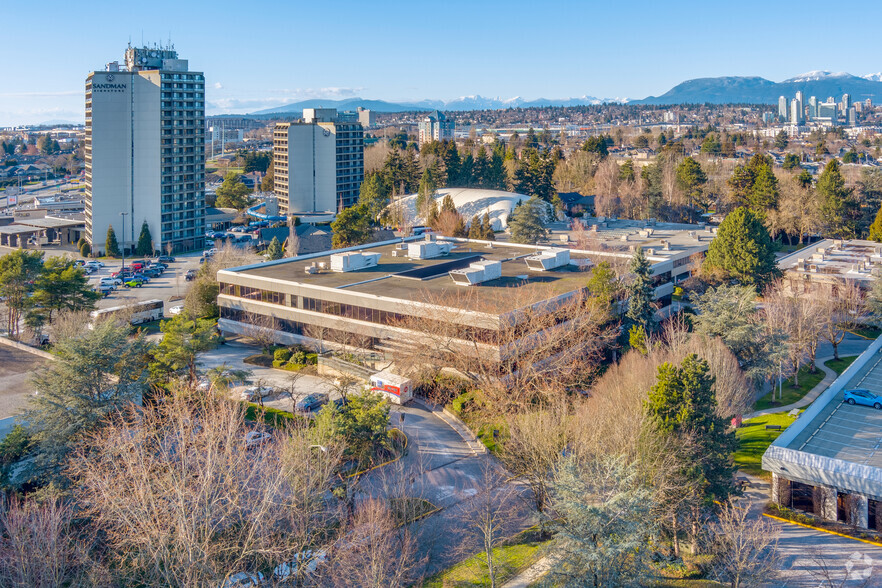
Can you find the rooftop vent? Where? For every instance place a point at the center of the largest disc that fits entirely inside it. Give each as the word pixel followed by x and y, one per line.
pixel 477 272
pixel 428 249
pixel 548 260
pixel 353 260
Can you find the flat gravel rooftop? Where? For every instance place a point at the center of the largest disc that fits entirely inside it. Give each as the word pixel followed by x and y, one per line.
pixel 842 431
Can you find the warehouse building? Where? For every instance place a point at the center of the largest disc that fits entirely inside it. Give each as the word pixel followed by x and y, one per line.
pixel 829 462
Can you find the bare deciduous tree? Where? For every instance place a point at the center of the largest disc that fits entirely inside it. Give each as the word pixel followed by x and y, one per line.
pixel 745 546
pixel 488 517
pixel 260 329
pixel 184 500
pixel 376 552
pixel 797 314
pixel 39 547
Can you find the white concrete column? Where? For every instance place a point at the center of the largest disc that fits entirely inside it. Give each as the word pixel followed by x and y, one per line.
pixel 858 511
pixel 825 502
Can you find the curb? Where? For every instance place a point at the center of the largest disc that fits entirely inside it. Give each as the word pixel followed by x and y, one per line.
pixel 457 425
pixel 829 532
pixel 385 463
pixel 22 347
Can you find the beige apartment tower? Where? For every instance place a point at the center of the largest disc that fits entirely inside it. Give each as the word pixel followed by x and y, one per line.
pixel 318 164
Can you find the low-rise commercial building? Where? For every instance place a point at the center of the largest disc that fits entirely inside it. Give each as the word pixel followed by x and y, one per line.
pixel 371 292
pixel 830 264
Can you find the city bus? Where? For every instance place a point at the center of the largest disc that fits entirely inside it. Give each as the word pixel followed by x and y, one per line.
pixel 139 312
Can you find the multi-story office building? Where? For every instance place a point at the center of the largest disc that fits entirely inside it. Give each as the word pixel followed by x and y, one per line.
pixel 827 112
pixel 436 127
pixel 145 151
pixel 813 108
pixel 318 164
pixel 796 114
pixel 846 103
pixel 782 107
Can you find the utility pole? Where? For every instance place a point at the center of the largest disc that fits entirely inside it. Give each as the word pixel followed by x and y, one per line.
pixel 123 214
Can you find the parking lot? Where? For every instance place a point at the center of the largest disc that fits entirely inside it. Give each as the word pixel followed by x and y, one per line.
pixel 171 285
pixel 842 431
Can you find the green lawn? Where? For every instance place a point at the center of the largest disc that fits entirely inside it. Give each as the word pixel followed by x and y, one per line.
pixel 807 381
pixel 523 550
pixel 754 439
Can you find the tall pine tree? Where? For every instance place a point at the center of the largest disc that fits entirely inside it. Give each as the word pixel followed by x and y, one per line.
pixel 145 241
pixel 111 246
pixel 641 310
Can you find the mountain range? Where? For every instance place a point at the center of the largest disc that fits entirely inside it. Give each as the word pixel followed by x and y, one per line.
pixel 756 90
pixel 720 90
pixel 459 104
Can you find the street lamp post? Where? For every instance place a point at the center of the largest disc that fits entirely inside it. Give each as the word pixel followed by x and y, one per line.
pixel 123 215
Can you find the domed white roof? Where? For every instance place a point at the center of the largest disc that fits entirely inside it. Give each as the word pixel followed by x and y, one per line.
pixel 474 201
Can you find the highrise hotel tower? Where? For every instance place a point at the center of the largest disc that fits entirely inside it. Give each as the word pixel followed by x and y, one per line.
pixel 145 151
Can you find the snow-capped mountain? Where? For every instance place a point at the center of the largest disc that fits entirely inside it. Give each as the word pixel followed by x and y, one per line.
pixel 817 76
pixel 874 77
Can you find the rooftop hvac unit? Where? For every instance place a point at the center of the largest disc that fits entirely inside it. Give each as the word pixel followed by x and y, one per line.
pixel 548 260
pixel 428 249
pixel 477 272
pixel 353 260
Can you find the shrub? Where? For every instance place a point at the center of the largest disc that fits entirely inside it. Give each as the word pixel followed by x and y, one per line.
pixel 282 355
pixel 279 363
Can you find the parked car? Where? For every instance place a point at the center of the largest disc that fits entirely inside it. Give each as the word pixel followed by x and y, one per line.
pixel 244 580
pixel 111 280
pixel 309 403
pixel 190 275
pixel 340 402
pixel 134 283
pixel 142 276
pixel 238 229
pixel 218 235
pixel 122 273
pixel 90 269
pixel 152 272
pixel 255 392
pixel 105 289
pixel 256 439
pixel 165 259
pixel 209 252
pixel 95 262
pixel 304 562
pixel 176 309
pixel 863 397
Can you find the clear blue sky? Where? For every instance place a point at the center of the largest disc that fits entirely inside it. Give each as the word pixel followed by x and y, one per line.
pixel 260 53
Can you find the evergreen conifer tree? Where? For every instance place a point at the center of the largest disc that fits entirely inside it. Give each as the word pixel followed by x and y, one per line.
pixel 111 246
pixel 145 241
pixel 641 310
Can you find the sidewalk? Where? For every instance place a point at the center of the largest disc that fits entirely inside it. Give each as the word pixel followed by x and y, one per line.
pixel 811 395
pixel 531 574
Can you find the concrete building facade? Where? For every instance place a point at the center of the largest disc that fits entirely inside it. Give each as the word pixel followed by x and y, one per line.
pixel 318 164
pixel 436 127
pixel 145 151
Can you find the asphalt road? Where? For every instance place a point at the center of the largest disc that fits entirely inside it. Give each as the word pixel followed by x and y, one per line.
pixel 439 466
pixel 810 558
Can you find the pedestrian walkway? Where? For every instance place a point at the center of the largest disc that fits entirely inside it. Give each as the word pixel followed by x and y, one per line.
pixel 811 395
pixel 531 574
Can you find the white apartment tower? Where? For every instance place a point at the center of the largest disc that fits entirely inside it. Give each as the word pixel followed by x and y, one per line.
pixel 436 127
pixel 145 151
pixel 318 164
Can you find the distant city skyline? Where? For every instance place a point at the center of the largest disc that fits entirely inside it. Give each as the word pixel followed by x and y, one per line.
pixel 268 53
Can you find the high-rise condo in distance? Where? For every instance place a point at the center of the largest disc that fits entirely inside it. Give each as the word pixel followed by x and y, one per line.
pixel 145 150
